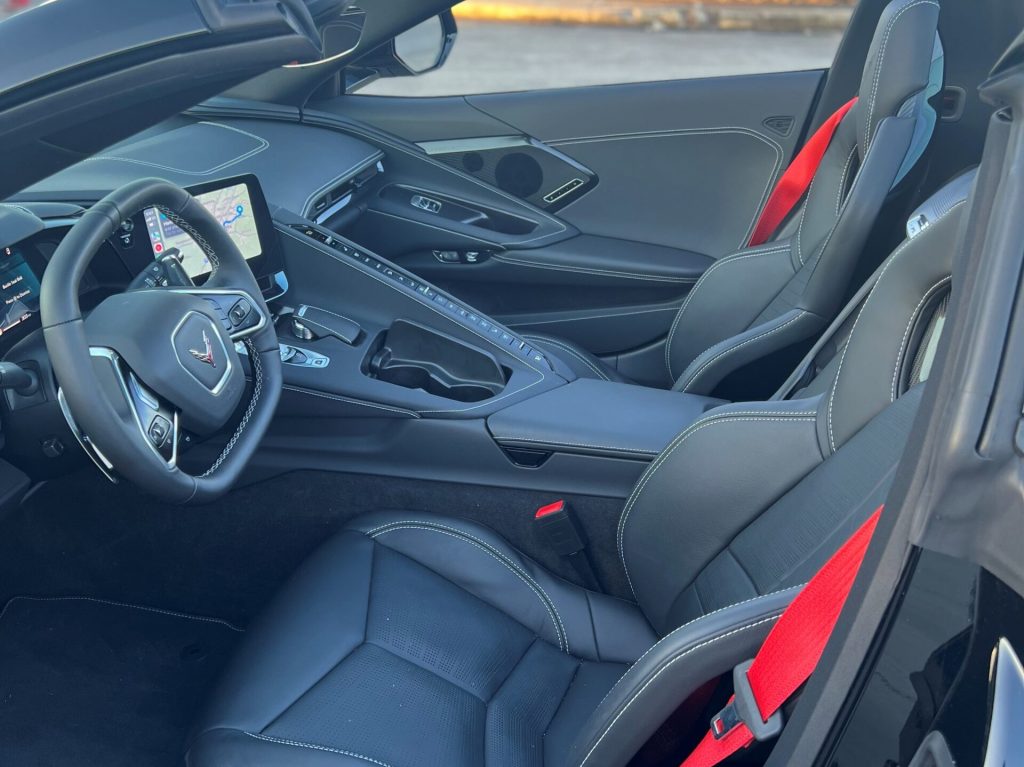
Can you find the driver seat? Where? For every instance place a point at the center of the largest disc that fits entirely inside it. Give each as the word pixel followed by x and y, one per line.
pixel 415 639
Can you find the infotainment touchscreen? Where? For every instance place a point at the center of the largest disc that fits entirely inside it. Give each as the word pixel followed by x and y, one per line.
pixel 19 289
pixel 231 205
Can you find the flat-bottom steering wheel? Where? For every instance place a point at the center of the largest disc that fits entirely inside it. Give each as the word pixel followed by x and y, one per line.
pixel 147 364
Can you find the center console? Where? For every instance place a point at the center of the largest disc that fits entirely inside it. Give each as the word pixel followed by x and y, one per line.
pixel 385 373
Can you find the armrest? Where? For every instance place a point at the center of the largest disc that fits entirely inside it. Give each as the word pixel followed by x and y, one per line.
pixel 603 418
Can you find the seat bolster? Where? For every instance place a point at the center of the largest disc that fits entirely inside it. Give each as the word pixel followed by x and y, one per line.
pixel 234 748
pixel 769 448
pixel 315 621
pixel 578 361
pixel 707 370
pixel 587 625
pixel 671 671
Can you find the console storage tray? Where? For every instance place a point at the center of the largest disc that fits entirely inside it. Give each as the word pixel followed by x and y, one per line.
pixel 416 357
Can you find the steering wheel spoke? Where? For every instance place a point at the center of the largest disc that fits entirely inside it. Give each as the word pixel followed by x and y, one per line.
pixel 157 423
pixel 238 312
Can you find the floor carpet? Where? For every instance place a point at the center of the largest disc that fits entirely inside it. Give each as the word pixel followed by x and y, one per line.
pixel 101 684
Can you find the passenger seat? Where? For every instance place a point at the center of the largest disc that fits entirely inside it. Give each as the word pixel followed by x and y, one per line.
pixel 761 300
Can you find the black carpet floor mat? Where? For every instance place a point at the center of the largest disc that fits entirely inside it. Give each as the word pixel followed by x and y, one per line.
pixel 91 683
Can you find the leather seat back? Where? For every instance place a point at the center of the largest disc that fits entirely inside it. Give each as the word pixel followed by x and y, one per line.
pixel 695 535
pixel 761 300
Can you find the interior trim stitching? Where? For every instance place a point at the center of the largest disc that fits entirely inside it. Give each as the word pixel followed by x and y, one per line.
pixel 565 347
pixel 685 132
pixel 906 334
pixel 264 144
pixel 803 218
pixel 726 352
pixel 687 625
pixel 842 179
pixel 868 127
pixel 838 377
pixel 315 747
pixel 593 270
pixel 674 659
pixel 526 578
pixel 740 256
pixel 114 603
pixel 195 235
pixel 780 416
pixel 257 391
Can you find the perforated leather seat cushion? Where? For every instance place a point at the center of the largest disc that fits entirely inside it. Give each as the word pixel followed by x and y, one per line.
pixel 371 656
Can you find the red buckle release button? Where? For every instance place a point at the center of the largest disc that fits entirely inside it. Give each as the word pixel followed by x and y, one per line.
pixel 551 508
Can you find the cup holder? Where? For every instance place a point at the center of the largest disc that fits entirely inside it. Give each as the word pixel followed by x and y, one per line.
pixel 416 357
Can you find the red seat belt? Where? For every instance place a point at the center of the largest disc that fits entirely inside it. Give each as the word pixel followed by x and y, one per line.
pixel 787 658
pixel 797 178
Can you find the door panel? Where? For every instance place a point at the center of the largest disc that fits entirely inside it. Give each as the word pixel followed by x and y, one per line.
pixel 671 177
pixel 683 164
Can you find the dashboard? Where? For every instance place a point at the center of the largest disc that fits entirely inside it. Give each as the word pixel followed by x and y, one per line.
pixel 138 255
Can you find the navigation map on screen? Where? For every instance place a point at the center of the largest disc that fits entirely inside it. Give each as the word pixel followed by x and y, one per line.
pixel 231 206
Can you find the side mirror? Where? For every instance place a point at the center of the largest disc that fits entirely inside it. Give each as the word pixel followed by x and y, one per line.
pixel 426 46
pixel 416 51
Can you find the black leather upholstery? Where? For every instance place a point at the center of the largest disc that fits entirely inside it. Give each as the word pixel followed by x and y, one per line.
pixel 412 639
pixel 757 301
pixel 594 417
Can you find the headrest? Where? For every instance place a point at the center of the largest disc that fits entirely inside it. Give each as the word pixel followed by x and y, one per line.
pixel 909 290
pixel 898 65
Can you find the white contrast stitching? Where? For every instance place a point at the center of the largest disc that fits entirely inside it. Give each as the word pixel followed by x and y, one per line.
pixel 199 240
pixel 668 665
pixel 113 603
pixel 835 382
pixel 797 416
pixel 906 333
pixel 732 349
pixel 842 179
pixel 741 256
pixel 263 145
pixel 687 625
pixel 641 136
pixel 257 390
pixel 315 747
pixel 531 583
pixel 565 347
pixel 868 128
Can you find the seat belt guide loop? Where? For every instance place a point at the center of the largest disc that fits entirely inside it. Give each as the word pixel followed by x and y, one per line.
pixel 743 709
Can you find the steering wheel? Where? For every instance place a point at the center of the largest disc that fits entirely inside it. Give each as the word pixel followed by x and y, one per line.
pixel 147 364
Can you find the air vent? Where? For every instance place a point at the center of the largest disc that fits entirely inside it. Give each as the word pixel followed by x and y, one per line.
pixel 338 197
pixel 781 124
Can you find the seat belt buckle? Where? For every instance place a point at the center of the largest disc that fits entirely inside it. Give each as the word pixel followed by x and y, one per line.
pixel 743 709
pixel 557 527
pixel 555 523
